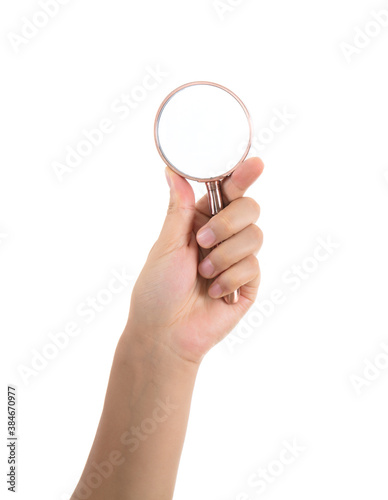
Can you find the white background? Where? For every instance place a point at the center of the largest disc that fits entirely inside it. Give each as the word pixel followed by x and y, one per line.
pixel 325 177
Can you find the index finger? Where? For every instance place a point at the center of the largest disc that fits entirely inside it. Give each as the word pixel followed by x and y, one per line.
pixel 235 185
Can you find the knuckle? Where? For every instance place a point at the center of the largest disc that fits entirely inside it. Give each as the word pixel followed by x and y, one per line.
pixel 228 282
pixel 220 258
pixel 172 209
pixel 176 209
pixel 256 236
pixel 257 233
pixel 253 206
pixel 253 264
pixel 226 223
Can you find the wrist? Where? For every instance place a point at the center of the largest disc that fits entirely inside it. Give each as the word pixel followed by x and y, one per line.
pixel 154 356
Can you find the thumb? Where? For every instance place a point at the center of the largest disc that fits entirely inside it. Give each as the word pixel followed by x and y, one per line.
pixel 178 225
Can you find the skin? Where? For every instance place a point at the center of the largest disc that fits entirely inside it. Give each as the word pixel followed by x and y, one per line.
pixel 176 316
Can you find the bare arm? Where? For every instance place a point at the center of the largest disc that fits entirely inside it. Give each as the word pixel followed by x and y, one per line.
pixel 143 424
pixel 177 314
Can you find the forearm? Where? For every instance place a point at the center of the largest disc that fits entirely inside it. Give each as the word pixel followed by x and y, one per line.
pixel 143 424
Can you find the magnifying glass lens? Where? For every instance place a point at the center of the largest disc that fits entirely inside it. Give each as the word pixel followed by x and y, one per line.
pixel 203 131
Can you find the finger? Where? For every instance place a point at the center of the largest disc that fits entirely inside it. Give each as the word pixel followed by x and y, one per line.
pixel 243 177
pixel 245 271
pixel 235 185
pixel 246 242
pixel 250 289
pixel 231 220
pixel 178 224
pixel 199 221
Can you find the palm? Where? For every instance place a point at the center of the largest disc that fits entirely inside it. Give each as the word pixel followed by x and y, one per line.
pixel 170 300
pixel 198 321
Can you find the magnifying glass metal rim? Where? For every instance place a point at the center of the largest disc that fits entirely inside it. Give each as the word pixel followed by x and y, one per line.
pixel 160 149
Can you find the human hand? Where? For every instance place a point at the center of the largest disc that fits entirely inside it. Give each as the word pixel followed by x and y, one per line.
pixel 177 299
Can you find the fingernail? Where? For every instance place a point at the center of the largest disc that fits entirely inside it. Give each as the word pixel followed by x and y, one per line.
pixel 206 267
pixel 215 291
pixel 206 237
pixel 168 177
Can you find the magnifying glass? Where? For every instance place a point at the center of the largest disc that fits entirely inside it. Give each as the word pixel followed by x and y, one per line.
pixel 203 132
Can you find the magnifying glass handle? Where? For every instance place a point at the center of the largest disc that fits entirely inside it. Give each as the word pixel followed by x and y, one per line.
pixel 214 195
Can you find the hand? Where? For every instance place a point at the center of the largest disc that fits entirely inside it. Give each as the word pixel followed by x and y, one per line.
pixel 176 301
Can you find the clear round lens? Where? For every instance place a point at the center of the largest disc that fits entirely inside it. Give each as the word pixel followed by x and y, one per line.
pixel 203 131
